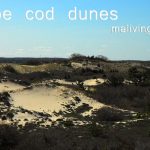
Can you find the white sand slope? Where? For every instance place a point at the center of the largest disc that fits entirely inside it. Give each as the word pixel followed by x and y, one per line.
pixel 47 100
pixel 9 86
pixel 44 99
pixel 93 82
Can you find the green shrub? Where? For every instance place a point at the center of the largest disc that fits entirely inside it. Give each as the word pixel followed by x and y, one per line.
pixel 109 114
pixel 10 69
pixel 80 84
pixel 96 131
pixel 115 79
pixel 9 137
pixel 139 77
pixel 68 123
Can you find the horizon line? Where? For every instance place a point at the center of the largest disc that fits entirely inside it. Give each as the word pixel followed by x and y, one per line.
pixel 142 60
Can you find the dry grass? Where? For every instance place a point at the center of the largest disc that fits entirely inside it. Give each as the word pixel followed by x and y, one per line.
pixel 30 69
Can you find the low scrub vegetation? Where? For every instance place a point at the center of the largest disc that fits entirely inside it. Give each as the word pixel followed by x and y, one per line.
pixel 109 114
pixel 128 97
pixel 107 128
pixel 90 137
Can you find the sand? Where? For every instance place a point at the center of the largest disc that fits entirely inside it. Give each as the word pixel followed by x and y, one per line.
pixel 39 99
pixel 48 100
pixel 93 82
pixel 44 99
pixel 10 86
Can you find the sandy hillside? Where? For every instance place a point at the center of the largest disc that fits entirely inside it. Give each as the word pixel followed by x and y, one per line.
pixel 30 104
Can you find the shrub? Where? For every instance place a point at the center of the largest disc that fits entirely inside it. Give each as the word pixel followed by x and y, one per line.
pixel 10 115
pixel 80 84
pixel 127 97
pixel 77 56
pixel 10 69
pixel 33 62
pixel 137 76
pixel 108 114
pixel 115 79
pixel 96 131
pixel 5 98
pixel 9 137
pixel 102 58
pixel 68 123
pixel 84 107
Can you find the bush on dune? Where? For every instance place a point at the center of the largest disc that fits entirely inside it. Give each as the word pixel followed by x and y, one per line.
pixel 10 69
pixel 127 97
pixel 9 137
pixel 115 79
pixel 109 114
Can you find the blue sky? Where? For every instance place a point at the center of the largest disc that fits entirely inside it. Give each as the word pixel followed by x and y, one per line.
pixel 61 37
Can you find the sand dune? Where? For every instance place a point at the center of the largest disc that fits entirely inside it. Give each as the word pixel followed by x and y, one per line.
pixel 93 82
pixel 44 99
pixel 9 86
pixel 45 102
